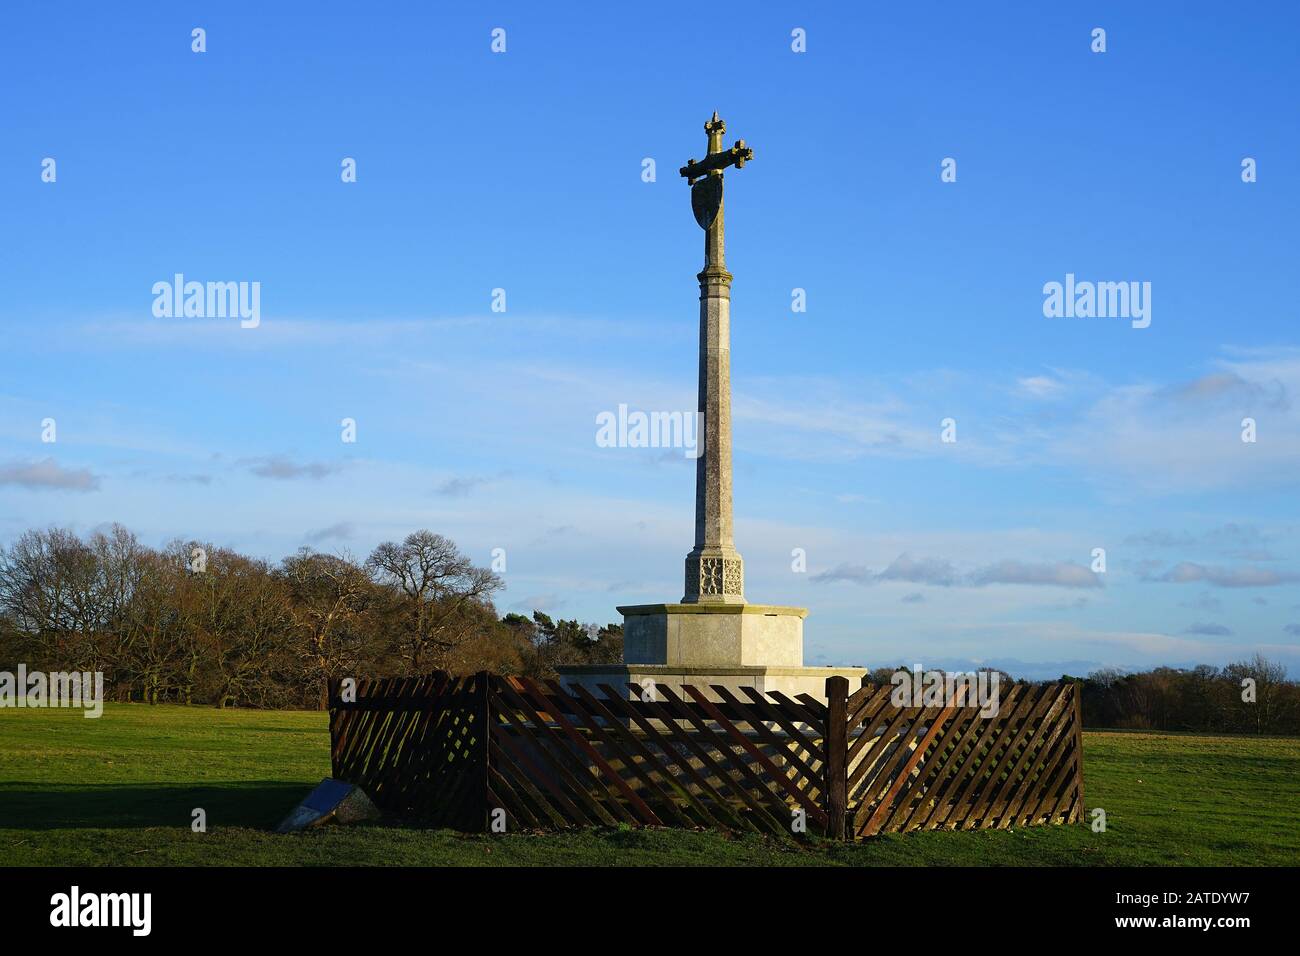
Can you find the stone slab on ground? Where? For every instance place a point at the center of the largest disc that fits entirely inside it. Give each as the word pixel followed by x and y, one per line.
pixel 332 801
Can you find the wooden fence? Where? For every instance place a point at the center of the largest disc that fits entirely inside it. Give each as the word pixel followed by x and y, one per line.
pixel 459 751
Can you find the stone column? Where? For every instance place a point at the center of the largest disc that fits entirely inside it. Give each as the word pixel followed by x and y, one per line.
pixel 714 570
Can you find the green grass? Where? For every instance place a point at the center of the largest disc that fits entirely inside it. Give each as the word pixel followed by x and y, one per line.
pixel 120 790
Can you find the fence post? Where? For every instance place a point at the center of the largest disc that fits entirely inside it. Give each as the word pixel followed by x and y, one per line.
pixel 1078 746
pixel 837 755
pixel 482 681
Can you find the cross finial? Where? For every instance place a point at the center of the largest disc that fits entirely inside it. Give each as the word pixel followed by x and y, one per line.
pixel 718 158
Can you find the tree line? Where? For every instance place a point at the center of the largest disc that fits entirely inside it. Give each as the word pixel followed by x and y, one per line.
pixel 195 623
pixel 1244 697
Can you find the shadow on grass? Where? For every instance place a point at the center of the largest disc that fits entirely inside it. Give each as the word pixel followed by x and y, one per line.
pixel 259 804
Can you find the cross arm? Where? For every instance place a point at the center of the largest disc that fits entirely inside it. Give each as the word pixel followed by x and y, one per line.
pixel 737 156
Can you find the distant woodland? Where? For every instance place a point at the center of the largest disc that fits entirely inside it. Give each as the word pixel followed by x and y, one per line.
pixel 1204 698
pixel 194 623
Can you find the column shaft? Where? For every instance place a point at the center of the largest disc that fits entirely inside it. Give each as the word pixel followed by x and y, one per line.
pixel 714 571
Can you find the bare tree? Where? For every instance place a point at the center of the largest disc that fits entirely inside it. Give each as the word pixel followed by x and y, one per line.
pixel 329 597
pixel 1273 704
pixel 438 589
pixel 49 585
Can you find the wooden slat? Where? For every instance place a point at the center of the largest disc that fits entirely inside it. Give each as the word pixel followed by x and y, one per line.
pixel 994 747
pixel 633 799
pixel 945 761
pixel 789 748
pixel 886 810
pixel 705 743
pixel 1029 778
pixel 1013 757
pixel 563 761
pixel 968 771
pixel 628 748
pixel 720 803
pixel 773 774
pixel 971 750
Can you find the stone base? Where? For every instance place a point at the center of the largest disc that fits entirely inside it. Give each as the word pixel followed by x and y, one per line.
pixel 790 681
pixel 713 635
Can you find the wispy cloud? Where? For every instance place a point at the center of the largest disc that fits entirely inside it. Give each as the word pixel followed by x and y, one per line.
pixel 1210 630
pixel 48 474
pixel 855 573
pixel 1230 386
pixel 1062 574
pixel 925 571
pixel 288 332
pixel 340 531
pixel 1148 438
pixel 460 487
pixel 283 468
pixel 274 332
pixel 1234 540
pixel 1186 436
pixel 1203 603
pixel 1040 386
pixel 1189 572
pixel 195 479
pixel 942 573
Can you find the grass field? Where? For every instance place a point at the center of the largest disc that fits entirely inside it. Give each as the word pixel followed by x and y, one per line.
pixel 121 789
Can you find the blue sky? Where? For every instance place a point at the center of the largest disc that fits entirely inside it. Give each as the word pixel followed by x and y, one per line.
pixel 522 171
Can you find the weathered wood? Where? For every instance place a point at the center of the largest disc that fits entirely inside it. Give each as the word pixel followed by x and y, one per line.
pixel 800 769
pixel 637 804
pixel 887 809
pixel 554 750
pixel 719 804
pixel 837 756
pixel 1078 754
pixel 969 771
pixel 970 766
pixel 772 773
pixel 451 750
pixel 621 741
pixel 717 755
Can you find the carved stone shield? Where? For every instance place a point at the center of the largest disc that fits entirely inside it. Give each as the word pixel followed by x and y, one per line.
pixel 706 200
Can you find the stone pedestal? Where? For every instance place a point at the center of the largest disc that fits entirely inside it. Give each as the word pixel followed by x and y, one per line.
pixel 735 645
pixel 713 635
pixel 791 681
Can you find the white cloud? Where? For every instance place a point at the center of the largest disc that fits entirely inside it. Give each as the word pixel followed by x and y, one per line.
pixel 283 468
pixel 1040 386
pixel 1189 572
pixel 1061 574
pixel 942 573
pixel 48 474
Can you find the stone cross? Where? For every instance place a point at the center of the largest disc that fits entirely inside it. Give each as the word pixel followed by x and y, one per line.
pixel 714 569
